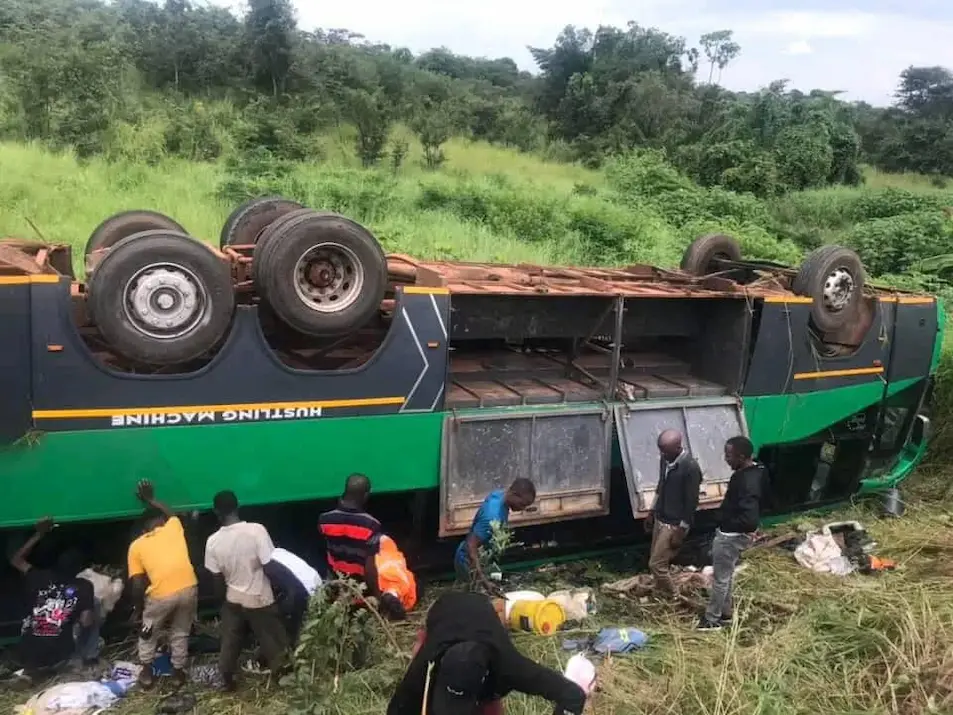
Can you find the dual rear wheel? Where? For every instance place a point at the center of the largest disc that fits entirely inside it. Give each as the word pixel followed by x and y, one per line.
pixel 159 297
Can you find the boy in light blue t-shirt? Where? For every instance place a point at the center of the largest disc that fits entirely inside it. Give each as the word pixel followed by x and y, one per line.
pixel 496 507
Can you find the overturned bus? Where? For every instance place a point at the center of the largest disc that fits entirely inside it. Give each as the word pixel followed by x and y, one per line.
pixel 298 352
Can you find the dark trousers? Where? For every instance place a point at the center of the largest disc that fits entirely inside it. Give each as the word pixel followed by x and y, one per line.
pixel 295 607
pixel 269 628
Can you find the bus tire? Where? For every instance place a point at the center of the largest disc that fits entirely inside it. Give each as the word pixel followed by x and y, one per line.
pixel 246 223
pixel 833 277
pixel 700 256
pixel 119 226
pixel 322 274
pixel 264 243
pixel 162 298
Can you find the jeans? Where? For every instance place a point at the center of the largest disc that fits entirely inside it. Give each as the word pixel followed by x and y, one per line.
pixel 726 551
pixel 86 640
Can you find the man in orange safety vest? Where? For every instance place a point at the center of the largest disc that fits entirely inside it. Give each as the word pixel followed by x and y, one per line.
pixel 396 581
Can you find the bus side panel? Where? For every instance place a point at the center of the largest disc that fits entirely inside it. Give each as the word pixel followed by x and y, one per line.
pixel 92 474
pixel 915 336
pixel 791 392
pixel 244 381
pixel 15 354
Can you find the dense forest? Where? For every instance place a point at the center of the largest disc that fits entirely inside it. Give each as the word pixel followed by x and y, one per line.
pixel 139 79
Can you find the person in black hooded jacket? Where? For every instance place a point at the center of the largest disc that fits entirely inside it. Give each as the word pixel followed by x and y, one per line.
pixel 472 665
pixel 739 520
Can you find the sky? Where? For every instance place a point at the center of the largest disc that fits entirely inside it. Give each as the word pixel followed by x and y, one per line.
pixel 855 46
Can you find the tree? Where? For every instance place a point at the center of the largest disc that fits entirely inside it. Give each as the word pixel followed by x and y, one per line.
pixel 720 49
pixel 372 117
pixel 270 27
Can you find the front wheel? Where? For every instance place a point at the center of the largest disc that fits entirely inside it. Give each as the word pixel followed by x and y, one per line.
pixel 833 277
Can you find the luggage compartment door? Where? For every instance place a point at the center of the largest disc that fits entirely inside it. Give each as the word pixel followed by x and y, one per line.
pixel 705 425
pixel 565 451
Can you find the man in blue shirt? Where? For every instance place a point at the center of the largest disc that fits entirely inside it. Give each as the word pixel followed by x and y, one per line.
pixel 495 508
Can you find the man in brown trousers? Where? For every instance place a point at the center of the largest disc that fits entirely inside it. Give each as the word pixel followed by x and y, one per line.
pixel 676 500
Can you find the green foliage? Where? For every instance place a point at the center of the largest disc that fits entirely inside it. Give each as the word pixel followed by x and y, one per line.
pixel 335 638
pixel 898 243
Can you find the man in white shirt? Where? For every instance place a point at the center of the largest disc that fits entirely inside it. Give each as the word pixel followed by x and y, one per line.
pixel 236 555
pixel 294 582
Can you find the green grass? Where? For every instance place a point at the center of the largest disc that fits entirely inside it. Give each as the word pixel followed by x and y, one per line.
pixel 803 643
pixel 855 645
pixel 66 199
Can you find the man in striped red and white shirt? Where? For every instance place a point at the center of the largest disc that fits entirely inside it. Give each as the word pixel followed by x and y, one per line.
pixel 352 536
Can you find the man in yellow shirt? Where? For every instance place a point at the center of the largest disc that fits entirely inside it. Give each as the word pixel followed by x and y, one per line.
pixel 164 586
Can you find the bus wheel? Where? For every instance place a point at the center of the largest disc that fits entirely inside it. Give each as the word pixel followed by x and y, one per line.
pixel 245 224
pixel 115 228
pixel 162 298
pixel 321 273
pixel 833 277
pixel 702 255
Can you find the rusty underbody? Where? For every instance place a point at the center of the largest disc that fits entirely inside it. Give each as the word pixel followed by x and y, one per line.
pixel 20 257
pixel 25 257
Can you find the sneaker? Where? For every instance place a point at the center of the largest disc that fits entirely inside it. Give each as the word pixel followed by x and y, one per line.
pixel 227 684
pixel 705 625
pixel 726 621
pixel 179 677
pixel 255 667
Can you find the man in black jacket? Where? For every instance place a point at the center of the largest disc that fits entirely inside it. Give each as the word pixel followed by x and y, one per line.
pixel 676 499
pixel 740 517
pixel 472 665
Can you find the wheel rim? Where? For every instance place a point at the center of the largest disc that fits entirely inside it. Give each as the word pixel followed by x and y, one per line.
pixel 838 289
pixel 328 277
pixel 165 301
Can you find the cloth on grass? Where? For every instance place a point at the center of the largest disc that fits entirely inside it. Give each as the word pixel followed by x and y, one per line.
pixel 70 699
pixel 820 552
pixel 619 640
pixel 642 584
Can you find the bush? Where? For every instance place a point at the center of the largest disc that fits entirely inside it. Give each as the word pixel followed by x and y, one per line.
pixel 898 243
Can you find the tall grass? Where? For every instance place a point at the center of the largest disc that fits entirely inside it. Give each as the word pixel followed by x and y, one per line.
pixel 805 644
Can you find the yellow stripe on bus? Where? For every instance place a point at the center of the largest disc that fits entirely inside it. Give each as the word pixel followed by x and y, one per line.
pixel 24 280
pixel 838 373
pixel 125 411
pixel 425 290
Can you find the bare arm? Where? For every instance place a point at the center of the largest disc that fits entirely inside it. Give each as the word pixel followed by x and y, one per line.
pixel 19 559
pixel 473 552
pixel 146 492
pixel 371 577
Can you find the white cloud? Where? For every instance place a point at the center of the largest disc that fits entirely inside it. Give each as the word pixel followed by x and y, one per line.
pixel 801 47
pixel 813 24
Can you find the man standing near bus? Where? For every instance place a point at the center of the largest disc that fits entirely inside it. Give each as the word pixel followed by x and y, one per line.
pixel 164 586
pixel 352 537
pixel 676 500
pixel 496 509
pixel 236 556
pixel 739 520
